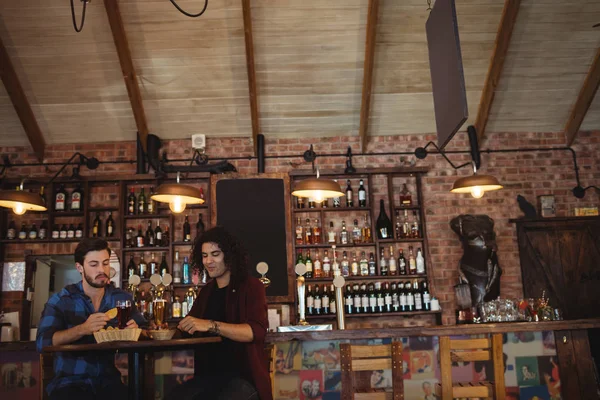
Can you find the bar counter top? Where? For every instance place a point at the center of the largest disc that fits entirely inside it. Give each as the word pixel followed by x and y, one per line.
pixel 436 330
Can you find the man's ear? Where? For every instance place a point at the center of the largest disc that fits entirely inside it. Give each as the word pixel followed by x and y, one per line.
pixel 79 267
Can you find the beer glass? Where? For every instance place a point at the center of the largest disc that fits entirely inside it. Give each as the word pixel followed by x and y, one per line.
pixel 159 312
pixel 123 312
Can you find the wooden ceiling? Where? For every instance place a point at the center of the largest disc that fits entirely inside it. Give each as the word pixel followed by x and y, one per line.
pixel 309 66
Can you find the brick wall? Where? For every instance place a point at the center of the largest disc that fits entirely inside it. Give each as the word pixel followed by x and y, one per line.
pixel 529 174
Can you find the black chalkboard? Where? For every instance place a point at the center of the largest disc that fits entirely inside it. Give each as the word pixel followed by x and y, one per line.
pixel 254 211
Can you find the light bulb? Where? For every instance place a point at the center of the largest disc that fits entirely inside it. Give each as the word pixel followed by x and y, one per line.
pixel 318 195
pixel 19 209
pixel 477 192
pixel 177 205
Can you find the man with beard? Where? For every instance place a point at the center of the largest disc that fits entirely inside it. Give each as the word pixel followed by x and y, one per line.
pixel 72 315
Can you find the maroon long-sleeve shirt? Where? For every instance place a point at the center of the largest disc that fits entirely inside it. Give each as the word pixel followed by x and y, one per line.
pixel 246 303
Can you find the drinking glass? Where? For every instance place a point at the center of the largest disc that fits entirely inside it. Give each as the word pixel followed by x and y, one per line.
pixel 159 312
pixel 123 312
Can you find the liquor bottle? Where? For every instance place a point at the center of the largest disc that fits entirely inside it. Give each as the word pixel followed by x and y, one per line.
pixel 129 237
pixel 383 267
pixel 405 196
pixel 158 236
pixel 345 265
pixel 354 265
pixel 131 267
pixel 43 233
pixel 33 232
pixel 310 301
pixel 42 195
pixel 96 226
pixel 401 262
pixel 153 266
pixel 317 267
pixel 166 237
pixel 309 265
pixel 344 239
pixel 164 267
pixel 77 198
pixel 331 235
pixel 426 296
pixel 398 229
pixel 362 195
pixel 149 239
pixel 63 231
pixel 384 225
pixel 316 236
pixel 79 231
pixel 357 299
pixel 176 269
pixel 372 299
pixel 395 298
pixel 364 264
pixel 349 300
pixel 392 266
pixel 141 203
pixel 326 265
pixel 317 300
pixel 356 233
pixel 335 266
pixel 337 202
pixel 299 232
pixel 380 298
pixel 412 263
pixel 151 205
pixel 139 239
pixel 420 262
pixel 349 194
pixel 366 231
pixel 372 265
pixel 55 231
pixel 308 239
pixel 187 236
pixel 418 296
pixel 311 204
pixel 300 258
pixel 325 203
pixel 71 232
pixel 332 308
pixel 410 297
pixel 142 267
pixel 60 199
pixel 415 230
pixel 364 298
pixel 11 233
pixel 142 303
pixel 110 226
pixel 186 273
pixel 405 225
pixel 131 203
pixel 403 299
pixel 200 226
pixel 176 307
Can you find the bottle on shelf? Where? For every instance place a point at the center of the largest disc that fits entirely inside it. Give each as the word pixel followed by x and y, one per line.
pixel 317 267
pixel 344 237
pixel 158 236
pixel 357 303
pixel 139 239
pixel 299 231
pixel 77 198
pixel 345 265
pixel 308 239
pixel 79 231
pixel 55 231
pixel 200 226
pixel 60 199
pixel 335 266
pixel 420 260
pixel 141 203
pixel 11 233
pixel 299 258
pixel 130 238
pixel 186 273
pixel 348 300
pixel 331 234
pixel 311 202
pixel 380 298
pixel 364 298
pixel 176 269
pixel 410 297
pixel 166 237
pixel 176 307
pixel 151 204
pixel 310 301
pixel 383 266
pixel 71 232
pixel 326 265
pixel 364 264
pixel 402 298
pixel 318 304
pixel 309 265
pixel 96 226
pixel 149 238
pixel 42 195
pixel 187 236
pixel 405 226
pixel 325 203
pixel 372 265
pixel 426 296
pixel 366 231
pixel 63 231
pixel 362 194
pixel 110 226
pixel 415 229
pixel 153 266
pixel 142 267
pixel 398 229
pixel 395 298
pixel 131 202
pixel 412 262
pixel 392 266
pixel 332 308
pixel 131 267
pixel 384 225
pixel 337 202
pixel 354 265
pixel 401 262
pixel 349 194
pixel 418 296
pixel 325 301
pixel 164 267
pixel 405 196
pixel 299 202
pixel 33 232
pixel 316 235
pixel 356 233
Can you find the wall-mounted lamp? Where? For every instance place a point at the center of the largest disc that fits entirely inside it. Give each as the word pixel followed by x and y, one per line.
pixel 178 195
pixel 316 188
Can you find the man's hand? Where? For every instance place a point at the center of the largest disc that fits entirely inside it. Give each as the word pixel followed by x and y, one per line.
pixel 94 323
pixel 192 325
pixel 131 324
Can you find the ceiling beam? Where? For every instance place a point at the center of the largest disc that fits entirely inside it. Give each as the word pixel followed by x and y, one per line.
pixel 21 104
pixel 584 100
pixel 251 73
pixel 505 30
pixel 365 106
pixel 129 75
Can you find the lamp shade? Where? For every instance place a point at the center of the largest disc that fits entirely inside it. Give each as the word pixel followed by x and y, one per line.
pixel 21 201
pixel 317 188
pixel 171 192
pixel 476 185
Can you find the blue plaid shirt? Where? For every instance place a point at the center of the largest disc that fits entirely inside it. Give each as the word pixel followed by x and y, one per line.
pixel 71 307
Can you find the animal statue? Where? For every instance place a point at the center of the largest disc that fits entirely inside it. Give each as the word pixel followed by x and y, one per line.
pixel 479 264
pixel 527 208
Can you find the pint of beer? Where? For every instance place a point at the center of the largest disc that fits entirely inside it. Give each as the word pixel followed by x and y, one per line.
pixel 159 311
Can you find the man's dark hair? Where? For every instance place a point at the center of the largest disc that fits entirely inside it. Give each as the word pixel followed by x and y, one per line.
pixel 87 245
pixel 236 257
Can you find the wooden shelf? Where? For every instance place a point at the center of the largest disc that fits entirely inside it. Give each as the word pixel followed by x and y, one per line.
pixel 146 216
pixel 26 241
pixel 110 239
pixel 146 249
pixel 103 209
pixel 412 240
pixel 182 243
pixel 369 278
pixel 331 209
pixel 413 207
pixel 384 314
pixel 328 245
pixel 58 214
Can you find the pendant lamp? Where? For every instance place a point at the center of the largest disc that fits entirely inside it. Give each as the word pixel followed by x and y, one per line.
pixel 21 201
pixel 475 184
pixel 178 195
pixel 318 189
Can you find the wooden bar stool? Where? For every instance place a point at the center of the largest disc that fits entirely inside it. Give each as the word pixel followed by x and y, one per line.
pixel 471 350
pixel 46 373
pixel 356 358
pixel 270 360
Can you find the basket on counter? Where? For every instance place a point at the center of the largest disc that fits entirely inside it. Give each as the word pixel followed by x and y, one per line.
pixel 163 334
pixel 114 335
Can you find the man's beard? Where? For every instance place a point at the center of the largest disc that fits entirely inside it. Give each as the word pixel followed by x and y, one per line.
pixel 93 284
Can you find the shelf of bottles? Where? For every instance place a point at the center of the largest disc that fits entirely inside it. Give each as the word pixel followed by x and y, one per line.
pixel 343 236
